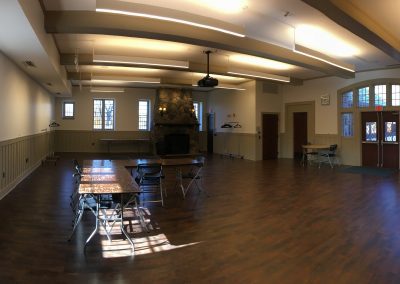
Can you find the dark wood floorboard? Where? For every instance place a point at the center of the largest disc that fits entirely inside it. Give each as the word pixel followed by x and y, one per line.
pixel 262 222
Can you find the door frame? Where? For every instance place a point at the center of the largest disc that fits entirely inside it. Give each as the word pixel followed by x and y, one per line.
pixel 379 135
pixel 261 132
pixel 287 139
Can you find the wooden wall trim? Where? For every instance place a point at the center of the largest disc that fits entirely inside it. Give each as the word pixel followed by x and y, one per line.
pixel 20 156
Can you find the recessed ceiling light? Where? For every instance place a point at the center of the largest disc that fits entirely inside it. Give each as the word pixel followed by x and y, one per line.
pixel 165 14
pixel 260 75
pixel 260 62
pixel 106 90
pixel 123 79
pixel 323 41
pixel 140 61
pixel 322 57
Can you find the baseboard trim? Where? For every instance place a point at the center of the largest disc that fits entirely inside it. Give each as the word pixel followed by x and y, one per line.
pixel 6 190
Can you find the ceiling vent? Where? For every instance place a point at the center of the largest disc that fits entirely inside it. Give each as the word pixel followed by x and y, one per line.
pixel 208 81
pixel 29 64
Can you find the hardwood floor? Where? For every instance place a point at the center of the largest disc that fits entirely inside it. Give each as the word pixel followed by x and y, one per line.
pixel 263 222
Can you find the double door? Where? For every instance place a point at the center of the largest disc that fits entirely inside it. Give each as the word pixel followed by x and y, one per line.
pixel 380 136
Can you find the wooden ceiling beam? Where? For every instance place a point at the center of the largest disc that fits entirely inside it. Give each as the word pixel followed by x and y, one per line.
pixel 352 19
pixel 87 22
pixel 87 60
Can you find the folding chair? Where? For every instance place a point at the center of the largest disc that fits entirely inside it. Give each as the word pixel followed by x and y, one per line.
pixel 191 173
pixel 81 202
pixel 310 155
pixel 329 156
pixel 149 178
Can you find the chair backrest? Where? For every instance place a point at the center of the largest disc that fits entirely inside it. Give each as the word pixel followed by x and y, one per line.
pixel 333 148
pixel 77 167
pixel 149 170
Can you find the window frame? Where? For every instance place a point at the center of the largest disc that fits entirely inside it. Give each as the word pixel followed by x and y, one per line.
pixel 342 125
pixel 351 92
pixel 200 113
pixel 367 94
pixel 64 103
pixel 397 93
pixel 147 115
pixel 103 114
pixel 384 96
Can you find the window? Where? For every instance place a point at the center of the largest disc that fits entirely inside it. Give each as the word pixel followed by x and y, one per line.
pixel 103 114
pixel 347 100
pixel 363 97
pixel 380 95
pixel 347 124
pixel 198 110
pixel 68 110
pixel 370 131
pixel 144 107
pixel 395 95
pixel 390 131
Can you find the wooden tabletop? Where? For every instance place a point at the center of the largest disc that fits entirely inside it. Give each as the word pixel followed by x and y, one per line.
pixel 106 177
pixel 315 146
pixel 133 163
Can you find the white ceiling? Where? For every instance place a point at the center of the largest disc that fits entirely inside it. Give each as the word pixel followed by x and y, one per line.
pixel 270 21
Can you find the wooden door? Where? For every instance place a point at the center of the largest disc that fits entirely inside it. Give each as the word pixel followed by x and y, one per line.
pixel 380 136
pixel 270 136
pixel 299 133
pixel 370 139
pixel 389 139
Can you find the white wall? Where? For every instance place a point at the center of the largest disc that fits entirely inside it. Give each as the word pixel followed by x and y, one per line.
pixel 126 108
pixel 312 90
pixel 25 107
pixel 265 103
pixel 232 105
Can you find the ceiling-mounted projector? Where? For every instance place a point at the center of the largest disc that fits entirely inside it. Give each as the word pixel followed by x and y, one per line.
pixel 208 81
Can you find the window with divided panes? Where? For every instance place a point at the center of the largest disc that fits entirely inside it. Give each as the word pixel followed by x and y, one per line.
pixel 103 114
pixel 347 124
pixel 68 110
pixel 363 97
pixel 144 113
pixel 380 95
pixel 347 100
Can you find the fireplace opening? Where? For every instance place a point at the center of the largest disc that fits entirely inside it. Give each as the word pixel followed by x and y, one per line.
pixel 175 143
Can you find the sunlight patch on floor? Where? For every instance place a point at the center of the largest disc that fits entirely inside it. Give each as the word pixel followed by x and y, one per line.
pixel 146 245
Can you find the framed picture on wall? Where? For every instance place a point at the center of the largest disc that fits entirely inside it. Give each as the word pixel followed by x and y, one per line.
pixel 325 100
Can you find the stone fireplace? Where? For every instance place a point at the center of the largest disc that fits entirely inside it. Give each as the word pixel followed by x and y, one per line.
pixel 175 127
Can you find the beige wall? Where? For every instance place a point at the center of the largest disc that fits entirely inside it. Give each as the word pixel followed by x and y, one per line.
pixel 126 120
pixel 232 105
pixel 235 106
pixel 126 108
pixel 326 117
pixel 26 110
pixel 25 107
pixel 266 102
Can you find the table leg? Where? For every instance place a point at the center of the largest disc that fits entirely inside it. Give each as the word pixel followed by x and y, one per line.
pixel 96 229
pixel 122 225
pixel 303 158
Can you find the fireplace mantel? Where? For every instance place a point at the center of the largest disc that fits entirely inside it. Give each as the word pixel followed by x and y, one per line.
pixel 175 130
